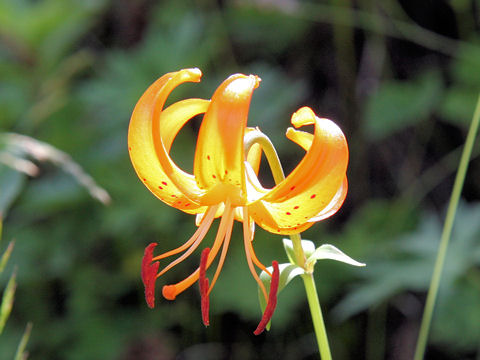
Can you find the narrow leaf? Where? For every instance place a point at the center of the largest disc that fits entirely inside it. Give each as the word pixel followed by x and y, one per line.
pixel 6 256
pixel 21 353
pixel 7 301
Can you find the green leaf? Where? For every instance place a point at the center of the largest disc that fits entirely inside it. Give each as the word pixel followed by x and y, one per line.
pixel 328 251
pixel 7 301
pixel 287 273
pixel 11 184
pixel 405 263
pixel 457 105
pixel 397 105
pixel 307 246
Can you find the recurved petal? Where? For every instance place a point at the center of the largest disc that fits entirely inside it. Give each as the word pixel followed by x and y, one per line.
pixel 316 188
pixel 334 205
pixel 219 155
pixel 151 134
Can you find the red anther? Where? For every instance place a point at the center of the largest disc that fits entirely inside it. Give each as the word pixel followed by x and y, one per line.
pixel 203 284
pixel 272 300
pixel 149 273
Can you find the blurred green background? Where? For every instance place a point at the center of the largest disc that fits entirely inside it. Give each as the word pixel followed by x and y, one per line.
pixel 400 77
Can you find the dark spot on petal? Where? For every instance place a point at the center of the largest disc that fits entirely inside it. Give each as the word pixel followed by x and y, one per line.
pixel 313 196
pixel 164 183
pixel 296 207
pixel 288 213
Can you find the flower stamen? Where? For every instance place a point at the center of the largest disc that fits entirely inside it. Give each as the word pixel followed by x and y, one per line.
pixel 255 259
pixel 203 284
pixel 249 251
pixel 226 242
pixel 272 300
pixel 170 292
pixel 201 231
pixel 149 271
pixel 200 234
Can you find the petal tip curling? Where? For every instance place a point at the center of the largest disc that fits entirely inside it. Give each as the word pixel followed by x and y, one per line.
pixel 303 116
pixel 194 74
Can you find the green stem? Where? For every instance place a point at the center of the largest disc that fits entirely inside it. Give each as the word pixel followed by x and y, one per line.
pixel 300 257
pixel 257 137
pixel 317 318
pixel 446 234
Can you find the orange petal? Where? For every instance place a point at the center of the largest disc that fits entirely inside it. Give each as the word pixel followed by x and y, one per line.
pixel 219 156
pixel 150 136
pixel 335 204
pixel 316 188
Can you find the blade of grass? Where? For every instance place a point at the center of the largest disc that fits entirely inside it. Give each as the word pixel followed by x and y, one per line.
pixel 45 152
pixel 21 354
pixel 446 234
pixel 7 301
pixel 6 256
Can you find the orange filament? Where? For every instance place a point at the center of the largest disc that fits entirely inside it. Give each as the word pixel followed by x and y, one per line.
pixel 251 230
pixel 255 259
pixel 272 300
pixel 226 242
pixel 249 251
pixel 187 253
pixel 203 284
pixel 201 230
pixel 171 291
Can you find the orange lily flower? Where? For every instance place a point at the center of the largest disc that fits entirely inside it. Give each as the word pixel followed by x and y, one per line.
pixel 224 182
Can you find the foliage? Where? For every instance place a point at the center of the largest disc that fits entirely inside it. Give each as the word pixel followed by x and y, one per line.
pixel 8 298
pixel 408 267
